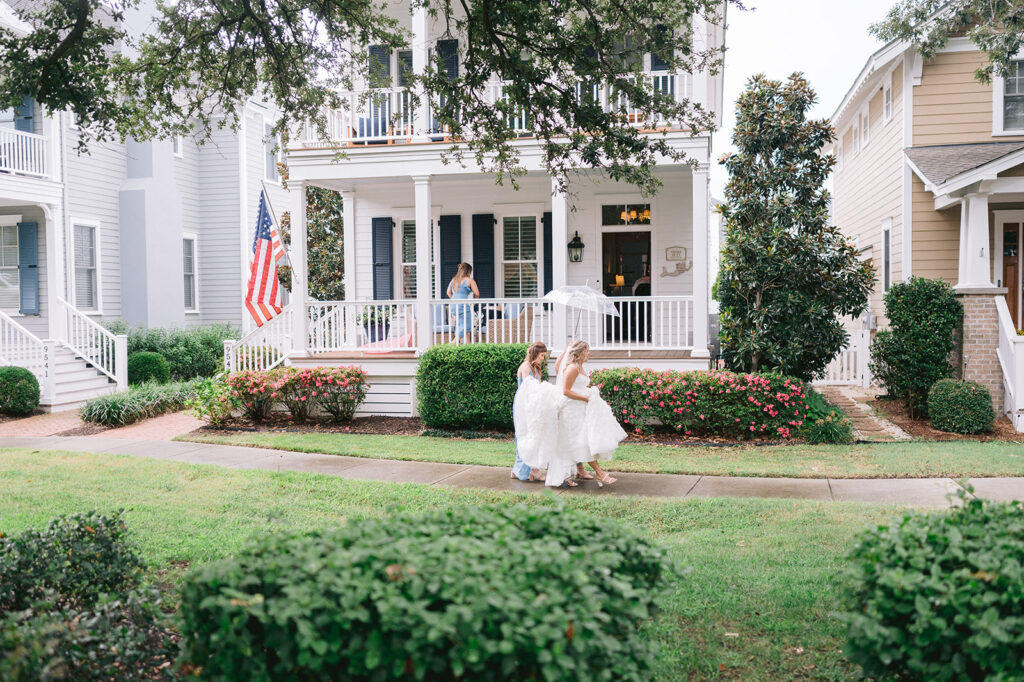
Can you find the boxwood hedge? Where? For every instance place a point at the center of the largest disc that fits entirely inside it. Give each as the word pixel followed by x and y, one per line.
pixel 960 406
pixel 496 593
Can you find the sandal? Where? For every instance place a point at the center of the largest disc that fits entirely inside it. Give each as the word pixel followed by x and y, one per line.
pixel 584 475
pixel 569 483
pixel 607 480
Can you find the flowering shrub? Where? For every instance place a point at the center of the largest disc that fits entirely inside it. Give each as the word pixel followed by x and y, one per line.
pixel 297 389
pixel 255 392
pixel 341 391
pixel 715 403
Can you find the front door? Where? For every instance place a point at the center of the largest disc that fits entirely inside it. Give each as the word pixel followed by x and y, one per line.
pixel 1010 276
pixel 626 265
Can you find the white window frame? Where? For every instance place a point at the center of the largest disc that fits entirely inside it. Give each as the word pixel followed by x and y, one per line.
pixel 96 225
pixel 12 221
pixel 178 146
pixel 998 92
pixel 887 103
pixel 278 154
pixel 406 214
pixel 865 125
pixel 839 155
pixel 856 137
pixel 538 261
pixel 886 254
pixel 194 238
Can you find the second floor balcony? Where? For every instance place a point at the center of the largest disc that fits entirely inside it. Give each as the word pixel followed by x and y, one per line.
pixel 23 153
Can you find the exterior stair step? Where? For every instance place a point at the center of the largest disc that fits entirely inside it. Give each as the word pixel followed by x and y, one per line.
pixel 75 399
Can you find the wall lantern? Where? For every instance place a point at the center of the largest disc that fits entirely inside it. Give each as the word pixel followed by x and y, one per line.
pixel 576 249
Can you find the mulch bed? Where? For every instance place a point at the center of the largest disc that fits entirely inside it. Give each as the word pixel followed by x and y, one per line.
pixel 412 426
pixel 896 412
pixel 86 429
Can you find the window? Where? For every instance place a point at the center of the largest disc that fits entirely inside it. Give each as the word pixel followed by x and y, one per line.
pixel 839 156
pixel 1013 97
pixel 178 146
pixel 865 125
pixel 626 214
pixel 886 254
pixel 9 281
pixel 86 281
pixel 272 153
pixel 887 100
pixel 856 137
pixel 519 256
pixel 408 261
pixel 188 269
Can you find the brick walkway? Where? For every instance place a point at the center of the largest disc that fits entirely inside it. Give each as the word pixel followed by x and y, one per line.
pixel 164 427
pixel 869 426
pixel 47 424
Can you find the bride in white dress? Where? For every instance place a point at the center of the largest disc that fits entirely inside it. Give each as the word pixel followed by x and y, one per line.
pixel 587 429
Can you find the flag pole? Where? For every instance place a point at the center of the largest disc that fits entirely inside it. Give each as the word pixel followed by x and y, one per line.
pixel 273 214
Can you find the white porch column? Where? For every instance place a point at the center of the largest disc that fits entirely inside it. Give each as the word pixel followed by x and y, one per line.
pixel 559 259
pixel 424 328
pixel 975 256
pixel 420 52
pixel 348 231
pixel 700 200
pixel 300 282
pixel 55 273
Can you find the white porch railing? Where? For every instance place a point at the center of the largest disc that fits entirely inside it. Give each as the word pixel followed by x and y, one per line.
pixel 850 367
pixel 20 347
pixel 387 115
pixel 263 348
pixel 379 326
pixel 104 350
pixel 23 153
pixel 493 320
pixel 1011 360
pixel 644 322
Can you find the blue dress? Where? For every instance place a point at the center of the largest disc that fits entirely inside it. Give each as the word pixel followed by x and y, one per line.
pixel 520 469
pixel 462 313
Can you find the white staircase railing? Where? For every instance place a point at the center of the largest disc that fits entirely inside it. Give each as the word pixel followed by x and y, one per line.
pixel 20 347
pixel 104 350
pixel 263 348
pixel 1011 361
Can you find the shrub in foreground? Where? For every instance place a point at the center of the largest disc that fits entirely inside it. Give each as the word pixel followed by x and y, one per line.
pixel 914 353
pixel 825 423
pixel 19 391
pixel 960 406
pixel 468 386
pixel 503 593
pixel 341 391
pixel 212 402
pixel 144 367
pixel 714 403
pixel 75 560
pixel 940 596
pixel 139 402
pixel 190 352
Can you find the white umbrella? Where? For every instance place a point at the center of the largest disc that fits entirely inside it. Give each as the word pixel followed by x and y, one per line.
pixel 582 299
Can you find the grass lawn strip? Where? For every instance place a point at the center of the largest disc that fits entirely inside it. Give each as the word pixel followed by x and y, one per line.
pixel 754 601
pixel 874 460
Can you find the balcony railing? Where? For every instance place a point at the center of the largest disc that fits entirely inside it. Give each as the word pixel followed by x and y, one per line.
pixel 644 323
pixel 387 116
pixel 22 153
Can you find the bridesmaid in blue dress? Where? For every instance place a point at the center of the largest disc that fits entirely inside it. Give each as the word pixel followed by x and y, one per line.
pixel 536 356
pixel 462 286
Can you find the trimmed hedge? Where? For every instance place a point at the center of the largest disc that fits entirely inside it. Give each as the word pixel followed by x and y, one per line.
pixel 19 391
pixel 705 403
pixel 190 352
pixel 496 593
pixel 145 366
pixel 139 402
pixel 71 563
pixel 469 386
pixel 940 596
pixel 960 406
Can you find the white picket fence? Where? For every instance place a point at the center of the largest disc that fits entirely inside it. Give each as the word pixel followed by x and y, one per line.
pixel 850 367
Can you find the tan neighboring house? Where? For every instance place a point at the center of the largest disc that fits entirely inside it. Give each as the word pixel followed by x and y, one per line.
pixel 930 182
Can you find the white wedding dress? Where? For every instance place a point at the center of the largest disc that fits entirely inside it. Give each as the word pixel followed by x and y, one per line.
pixel 556 433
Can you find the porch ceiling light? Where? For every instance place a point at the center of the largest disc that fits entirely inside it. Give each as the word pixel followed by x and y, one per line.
pixel 576 249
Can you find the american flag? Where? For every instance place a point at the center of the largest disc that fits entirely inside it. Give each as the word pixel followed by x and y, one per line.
pixel 263 295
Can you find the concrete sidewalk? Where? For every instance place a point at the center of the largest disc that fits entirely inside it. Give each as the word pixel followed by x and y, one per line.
pixel 926 492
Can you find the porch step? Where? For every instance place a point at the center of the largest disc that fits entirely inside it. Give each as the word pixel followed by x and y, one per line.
pixel 77 381
pixel 72 385
pixel 72 400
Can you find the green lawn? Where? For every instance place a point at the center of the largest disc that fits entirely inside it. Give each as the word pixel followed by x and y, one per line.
pixel 877 460
pixel 756 600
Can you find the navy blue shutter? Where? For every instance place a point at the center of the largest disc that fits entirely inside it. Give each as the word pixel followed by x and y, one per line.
pixel 383 256
pixel 483 253
pixel 659 63
pixel 548 252
pixel 404 67
pixel 451 249
pixel 23 116
pixel 379 58
pixel 28 267
pixel 448 53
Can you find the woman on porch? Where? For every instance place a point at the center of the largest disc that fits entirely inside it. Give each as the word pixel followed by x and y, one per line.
pixel 463 286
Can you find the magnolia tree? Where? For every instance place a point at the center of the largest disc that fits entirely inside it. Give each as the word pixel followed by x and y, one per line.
pixel 995 26
pixel 325 242
pixel 787 275
pixel 200 60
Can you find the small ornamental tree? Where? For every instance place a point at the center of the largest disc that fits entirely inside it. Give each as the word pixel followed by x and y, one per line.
pixel 787 275
pixel 324 242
